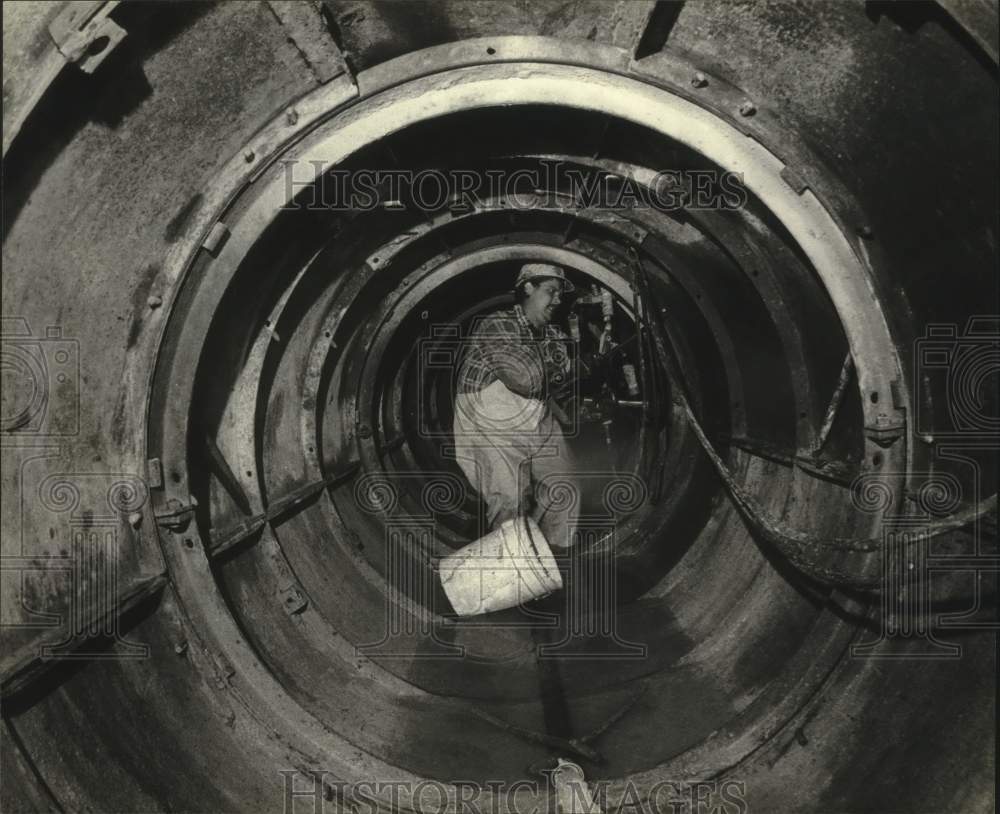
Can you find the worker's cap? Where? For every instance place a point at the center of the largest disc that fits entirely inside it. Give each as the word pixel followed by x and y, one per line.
pixel 538 271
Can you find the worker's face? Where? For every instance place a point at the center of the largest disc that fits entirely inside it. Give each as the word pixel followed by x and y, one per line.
pixel 543 298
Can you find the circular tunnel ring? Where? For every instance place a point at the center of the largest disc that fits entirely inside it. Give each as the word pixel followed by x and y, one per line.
pixel 805 217
pixel 422 282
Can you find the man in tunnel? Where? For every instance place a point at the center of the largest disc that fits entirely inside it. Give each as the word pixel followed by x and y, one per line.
pixel 508 425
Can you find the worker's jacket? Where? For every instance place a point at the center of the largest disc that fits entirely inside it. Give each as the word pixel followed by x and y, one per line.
pixel 507 370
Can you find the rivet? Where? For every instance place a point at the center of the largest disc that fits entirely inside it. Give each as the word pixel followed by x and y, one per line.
pixel 699 80
pixel 181 648
pixel 249 156
pixel 865 231
pixel 135 519
pixel 747 108
pixel 154 302
pixel 292 117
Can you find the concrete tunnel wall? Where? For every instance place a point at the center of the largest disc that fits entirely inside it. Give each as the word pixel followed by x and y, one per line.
pixel 110 176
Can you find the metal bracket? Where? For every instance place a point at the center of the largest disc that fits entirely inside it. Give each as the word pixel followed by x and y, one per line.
pixel 794 180
pixel 224 671
pixel 293 600
pixel 178 514
pixel 215 238
pixel 84 33
pixel 887 429
pixel 154 473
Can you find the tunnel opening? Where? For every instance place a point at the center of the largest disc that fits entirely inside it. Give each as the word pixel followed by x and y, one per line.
pixel 318 351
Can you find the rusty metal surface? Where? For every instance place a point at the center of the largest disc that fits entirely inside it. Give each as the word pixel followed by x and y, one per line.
pixel 307 28
pixel 85 34
pixel 375 32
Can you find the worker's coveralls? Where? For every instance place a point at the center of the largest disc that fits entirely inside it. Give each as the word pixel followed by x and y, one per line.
pixel 507 441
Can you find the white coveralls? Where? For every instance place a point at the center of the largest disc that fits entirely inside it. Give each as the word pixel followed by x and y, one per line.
pixel 511 448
